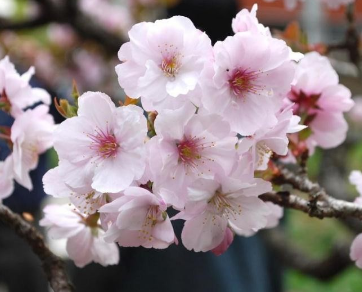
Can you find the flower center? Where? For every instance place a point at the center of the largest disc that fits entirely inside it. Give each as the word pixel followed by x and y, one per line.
pixel 222 205
pixel 105 144
pixel 189 151
pixel 170 66
pixel 241 82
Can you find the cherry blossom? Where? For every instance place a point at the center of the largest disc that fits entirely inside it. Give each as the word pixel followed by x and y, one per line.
pixel 247 21
pixel 321 101
pixel 226 242
pixel 141 220
pixel 85 241
pixel 189 146
pixel 103 142
pixel 214 205
pixel 162 60
pixel 15 91
pixel 31 135
pixel 6 178
pixel 269 140
pixel 247 82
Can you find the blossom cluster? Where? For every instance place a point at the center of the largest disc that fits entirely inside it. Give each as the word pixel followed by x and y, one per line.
pixel 215 117
pixel 31 132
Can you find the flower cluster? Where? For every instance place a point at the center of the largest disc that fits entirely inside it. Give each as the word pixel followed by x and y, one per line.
pixel 31 132
pixel 215 116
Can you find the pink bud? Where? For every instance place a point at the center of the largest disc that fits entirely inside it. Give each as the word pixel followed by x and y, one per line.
pixel 224 245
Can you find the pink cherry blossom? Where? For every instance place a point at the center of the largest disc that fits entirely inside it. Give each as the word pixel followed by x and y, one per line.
pixel 356 251
pixel 162 60
pixel 86 199
pixel 318 97
pixel 247 21
pixel 31 135
pixel 224 245
pixel 15 91
pixel 103 142
pixel 141 220
pixel 247 82
pixel 214 205
pixel 356 112
pixel 276 213
pixel 85 241
pixel 269 140
pixel 6 178
pixel 189 146
pixel 355 178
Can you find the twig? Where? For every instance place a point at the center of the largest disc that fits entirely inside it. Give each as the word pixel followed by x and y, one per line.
pixel 52 265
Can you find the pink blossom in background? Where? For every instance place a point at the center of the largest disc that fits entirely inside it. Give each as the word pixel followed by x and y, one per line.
pixel 355 114
pixel 103 142
pixel 163 60
pixel 31 135
pixel 250 76
pixel 6 178
pixel 85 243
pixel 356 251
pixel 16 91
pixel 317 93
pixel 355 178
pixel 141 220
pixel 189 146
pixel 247 21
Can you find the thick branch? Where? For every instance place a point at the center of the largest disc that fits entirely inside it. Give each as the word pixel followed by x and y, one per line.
pixel 52 265
pixel 291 256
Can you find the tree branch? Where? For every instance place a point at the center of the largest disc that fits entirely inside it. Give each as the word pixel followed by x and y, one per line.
pixel 52 265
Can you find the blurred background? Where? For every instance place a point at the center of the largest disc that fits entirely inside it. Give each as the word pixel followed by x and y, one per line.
pixel 79 39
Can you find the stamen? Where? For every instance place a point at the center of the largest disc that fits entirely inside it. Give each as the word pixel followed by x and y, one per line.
pixel 170 66
pixel 105 144
pixel 241 82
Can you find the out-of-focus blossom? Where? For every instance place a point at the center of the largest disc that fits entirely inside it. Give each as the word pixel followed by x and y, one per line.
pixel 31 135
pixel 247 82
pixel 355 178
pixel 15 91
pixel 85 241
pixel 321 101
pixel 189 146
pixel 61 34
pixel 141 220
pixel 103 142
pixel 289 4
pixel 247 21
pixel 356 251
pixel 356 112
pixel 334 4
pixel 6 178
pixel 8 8
pixel 163 60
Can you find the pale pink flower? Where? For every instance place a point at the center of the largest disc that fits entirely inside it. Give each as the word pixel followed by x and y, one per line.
pixel 31 135
pixel 103 142
pixel 250 76
pixel 276 213
pixel 247 21
pixel 189 146
pixel 85 241
pixel 356 112
pixel 162 60
pixel 214 205
pixel 269 140
pixel 321 100
pixel 141 220
pixel 6 178
pixel 224 245
pixel 86 199
pixel 355 178
pixel 356 251
pixel 15 91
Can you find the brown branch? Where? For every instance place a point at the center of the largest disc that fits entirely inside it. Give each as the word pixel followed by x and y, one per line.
pixel 52 265
pixel 293 257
